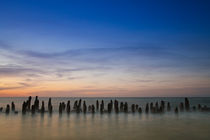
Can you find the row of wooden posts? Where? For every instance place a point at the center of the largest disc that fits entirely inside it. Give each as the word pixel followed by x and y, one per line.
pixel 115 106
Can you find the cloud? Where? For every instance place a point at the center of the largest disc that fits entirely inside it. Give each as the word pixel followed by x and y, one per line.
pixel 21 85
pixel 139 56
pixel 122 65
pixel 36 54
pixel 24 84
pixel 8 88
pixel 8 70
pixel 154 56
pixel 144 81
pixel 74 78
pixel 146 60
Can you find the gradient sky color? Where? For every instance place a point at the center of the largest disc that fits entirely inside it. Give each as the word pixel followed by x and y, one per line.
pixel 105 48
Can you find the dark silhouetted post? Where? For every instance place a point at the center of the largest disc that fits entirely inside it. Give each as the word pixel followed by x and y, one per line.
pixel 121 106
pixel 13 106
pixel 7 109
pixel 102 106
pixel 42 107
pixel 140 110
pixel 49 104
pixel 50 107
pixel 93 109
pixel 109 107
pixel 29 103
pixel 84 107
pixel 116 106
pixel 168 107
pixel 60 108
pixel 97 105
pixel 152 109
pixel 162 104
pixel 151 106
pixel 24 107
pixel 147 108
pixel 156 106
pixel 63 106
pixel 133 108
pixel 75 105
pixel 137 106
pixel 68 109
pixel 36 103
pixel 187 104
pixel 199 106
pixel 79 107
pixel 176 110
pixel 126 107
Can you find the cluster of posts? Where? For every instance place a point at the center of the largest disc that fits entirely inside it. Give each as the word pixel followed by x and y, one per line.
pixel 112 106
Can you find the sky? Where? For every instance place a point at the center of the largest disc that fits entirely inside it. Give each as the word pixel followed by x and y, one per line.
pixel 106 48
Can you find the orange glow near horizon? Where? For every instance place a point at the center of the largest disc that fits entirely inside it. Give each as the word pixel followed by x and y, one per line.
pixel 101 88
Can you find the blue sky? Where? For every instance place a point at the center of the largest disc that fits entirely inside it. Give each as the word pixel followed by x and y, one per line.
pixel 100 47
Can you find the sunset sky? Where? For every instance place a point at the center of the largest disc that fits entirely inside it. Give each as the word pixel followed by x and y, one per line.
pixel 105 48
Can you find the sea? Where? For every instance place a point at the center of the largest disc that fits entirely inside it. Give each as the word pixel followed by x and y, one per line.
pixel 192 125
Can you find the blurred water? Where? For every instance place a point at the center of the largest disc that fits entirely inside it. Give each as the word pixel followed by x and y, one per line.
pixel 183 126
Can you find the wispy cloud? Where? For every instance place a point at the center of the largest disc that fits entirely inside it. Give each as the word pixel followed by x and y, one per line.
pixel 74 78
pixel 102 59
pixel 137 66
pixel 147 56
pixel 8 88
pixel 20 85
pixel 8 70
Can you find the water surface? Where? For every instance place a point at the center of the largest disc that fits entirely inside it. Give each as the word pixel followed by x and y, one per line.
pixel 185 125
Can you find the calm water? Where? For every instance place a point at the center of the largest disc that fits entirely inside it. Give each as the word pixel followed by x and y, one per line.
pixel 185 125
